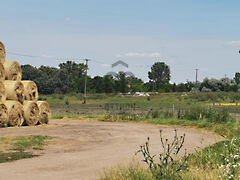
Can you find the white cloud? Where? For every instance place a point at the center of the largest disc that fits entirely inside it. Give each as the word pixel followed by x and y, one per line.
pixel 141 55
pixel 66 19
pixel 233 43
pixel 106 65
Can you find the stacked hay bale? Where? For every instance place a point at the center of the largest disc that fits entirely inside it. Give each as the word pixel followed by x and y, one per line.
pixel 19 103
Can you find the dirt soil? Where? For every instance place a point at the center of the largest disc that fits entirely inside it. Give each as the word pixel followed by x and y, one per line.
pixel 85 149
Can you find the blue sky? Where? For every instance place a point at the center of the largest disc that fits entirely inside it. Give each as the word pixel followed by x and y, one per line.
pixel 184 34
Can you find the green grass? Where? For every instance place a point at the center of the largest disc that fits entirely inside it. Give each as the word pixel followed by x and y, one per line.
pixel 57 117
pixel 228 130
pixel 13 156
pixel 130 172
pixel 21 147
pixel 95 102
pixel 22 143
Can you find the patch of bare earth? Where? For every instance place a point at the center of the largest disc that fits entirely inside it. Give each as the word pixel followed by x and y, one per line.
pixel 83 149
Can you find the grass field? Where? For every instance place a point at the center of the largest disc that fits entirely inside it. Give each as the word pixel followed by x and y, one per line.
pixel 216 112
pixel 20 147
pixel 71 104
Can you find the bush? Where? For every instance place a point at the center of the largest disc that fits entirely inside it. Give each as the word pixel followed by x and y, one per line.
pixel 168 167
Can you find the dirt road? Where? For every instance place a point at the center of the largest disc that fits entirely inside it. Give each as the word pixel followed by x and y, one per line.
pixel 83 149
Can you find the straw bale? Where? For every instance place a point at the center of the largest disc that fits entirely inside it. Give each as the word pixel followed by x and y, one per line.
pixel 30 91
pixel 15 113
pixel 12 70
pixel 2 52
pixel 2 72
pixel 2 92
pixel 30 113
pixel 44 112
pixel 3 115
pixel 14 90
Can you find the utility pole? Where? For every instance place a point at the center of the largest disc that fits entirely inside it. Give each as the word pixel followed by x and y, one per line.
pixel 85 83
pixel 196 75
pixel 196 78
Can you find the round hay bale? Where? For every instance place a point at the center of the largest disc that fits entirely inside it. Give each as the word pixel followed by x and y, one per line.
pixel 12 70
pixel 15 113
pixel 2 52
pixel 2 92
pixel 44 112
pixel 3 115
pixel 2 72
pixel 30 90
pixel 14 90
pixel 30 113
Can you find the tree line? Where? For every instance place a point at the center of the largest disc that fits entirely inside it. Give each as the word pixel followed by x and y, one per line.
pixel 70 77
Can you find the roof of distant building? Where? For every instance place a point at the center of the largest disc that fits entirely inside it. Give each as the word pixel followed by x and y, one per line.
pixel 120 62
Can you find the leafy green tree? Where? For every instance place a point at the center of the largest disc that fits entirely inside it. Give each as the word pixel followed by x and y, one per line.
pixel 108 84
pixel 69 72
pixel 78 85
pixel 29 72
pixel 121 82
pixel 97 84
pixel 237 77
pixel 136 84
pixel 159 74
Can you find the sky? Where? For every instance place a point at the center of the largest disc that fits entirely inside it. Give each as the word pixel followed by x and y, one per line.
pixel 185 35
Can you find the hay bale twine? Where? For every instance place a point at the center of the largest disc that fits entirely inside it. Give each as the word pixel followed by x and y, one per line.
pixel 14 90
pixel 15 113
pixel 30 113
pixel 44 112
pixel 30 90
pixel 12 70
pixel 2 52
pixel 2 72
pixel 2 92
pixel 3 115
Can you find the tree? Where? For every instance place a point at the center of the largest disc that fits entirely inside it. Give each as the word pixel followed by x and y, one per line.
pixel 29 72
pixel 121 82
pixel 108 84
pixel 136 84
pixel 159 74
pixel 69 73
pixel 237 77
pixel 97 83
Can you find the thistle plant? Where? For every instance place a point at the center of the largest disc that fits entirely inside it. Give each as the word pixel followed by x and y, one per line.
pixel 167 166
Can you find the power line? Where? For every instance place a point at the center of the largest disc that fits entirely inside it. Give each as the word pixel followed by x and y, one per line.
pixel 44 56
pixel 25 55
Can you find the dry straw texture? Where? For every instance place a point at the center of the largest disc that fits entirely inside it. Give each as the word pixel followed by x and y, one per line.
pixel 30 91
pixel 12 70
pixel 30 113
pixel 14 90
pixel 15 113
pixel 44 112
pixel 2 72
pixel 3 116
pixel 2 52
pixel 2 92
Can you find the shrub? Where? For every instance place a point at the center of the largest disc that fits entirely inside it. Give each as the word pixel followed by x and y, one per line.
pixel 167 167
